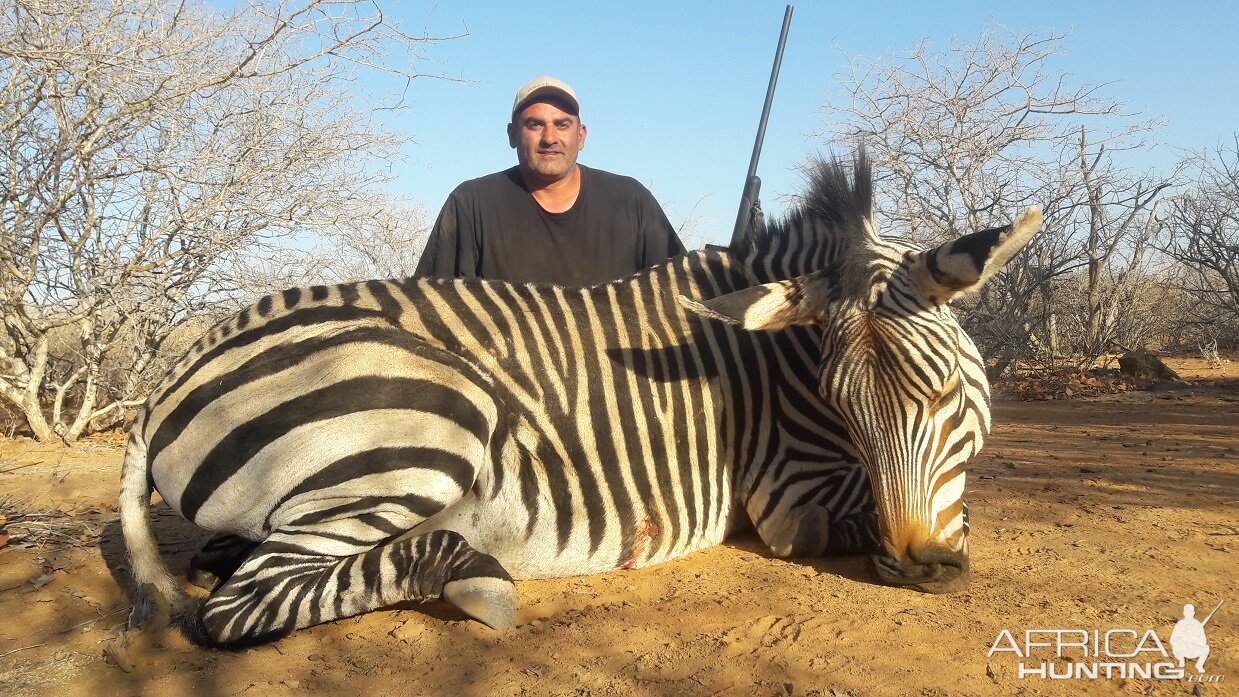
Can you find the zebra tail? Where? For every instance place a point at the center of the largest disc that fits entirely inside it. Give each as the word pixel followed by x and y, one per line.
pixel 158 594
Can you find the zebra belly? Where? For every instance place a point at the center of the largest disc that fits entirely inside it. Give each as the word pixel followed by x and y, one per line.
pixel 530 545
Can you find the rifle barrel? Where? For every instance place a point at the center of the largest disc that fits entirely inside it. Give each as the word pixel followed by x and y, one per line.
pixel 1219 607
pixel 742 218
pixel 774 80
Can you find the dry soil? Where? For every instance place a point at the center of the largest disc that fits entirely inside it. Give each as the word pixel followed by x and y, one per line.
pixel 1102 514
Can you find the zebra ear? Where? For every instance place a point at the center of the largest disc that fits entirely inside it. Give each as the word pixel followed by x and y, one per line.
pixel 766 307
pixel 962 266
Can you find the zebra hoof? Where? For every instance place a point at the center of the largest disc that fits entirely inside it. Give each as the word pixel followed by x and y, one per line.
pixel 203 579
pixel 151 611
pixel 491 601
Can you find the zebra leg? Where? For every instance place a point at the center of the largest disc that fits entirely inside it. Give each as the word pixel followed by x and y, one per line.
pixel 857 533
pixel 809 531
pixel 218 559
pixel 803 532
pixel 289 582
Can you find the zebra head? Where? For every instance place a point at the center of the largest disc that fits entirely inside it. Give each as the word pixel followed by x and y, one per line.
pixel 895 366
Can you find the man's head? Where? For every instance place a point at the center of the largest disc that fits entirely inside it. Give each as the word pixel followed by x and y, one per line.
pixel 546 130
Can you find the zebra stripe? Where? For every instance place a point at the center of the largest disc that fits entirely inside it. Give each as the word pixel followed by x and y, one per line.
pixel 365 444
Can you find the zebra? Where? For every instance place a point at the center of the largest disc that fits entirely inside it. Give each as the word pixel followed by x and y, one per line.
pixel 359 445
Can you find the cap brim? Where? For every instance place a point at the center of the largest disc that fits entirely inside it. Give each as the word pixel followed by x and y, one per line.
pixel 549 92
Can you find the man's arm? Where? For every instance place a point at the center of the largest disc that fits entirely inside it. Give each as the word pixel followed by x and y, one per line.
pixel 661 240
pixel 445 254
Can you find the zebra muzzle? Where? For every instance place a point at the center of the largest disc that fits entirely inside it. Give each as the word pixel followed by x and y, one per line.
pixel 931 570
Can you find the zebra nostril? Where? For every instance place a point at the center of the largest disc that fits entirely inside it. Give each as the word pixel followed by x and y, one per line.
pixel 937 554
pixel 954 576
pixel 940 571
pixel 887 565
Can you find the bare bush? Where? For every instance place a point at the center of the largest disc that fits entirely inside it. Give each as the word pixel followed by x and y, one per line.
pixel 963 139
pixel 1201 232
pixel 383 241
pixel 152 147
pixel 1209 352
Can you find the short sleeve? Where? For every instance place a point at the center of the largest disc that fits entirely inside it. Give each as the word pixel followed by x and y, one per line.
pixel 661 240
pixel 450 251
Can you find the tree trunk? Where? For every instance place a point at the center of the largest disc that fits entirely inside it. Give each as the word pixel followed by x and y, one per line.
pixel 1093 331
pixel 26 396
pixel 1000 366
pixel 86 411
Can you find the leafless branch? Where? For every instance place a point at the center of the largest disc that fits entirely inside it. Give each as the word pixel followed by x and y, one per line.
pixel 150 147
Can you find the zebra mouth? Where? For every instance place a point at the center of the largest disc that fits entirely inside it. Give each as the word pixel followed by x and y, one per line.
pixel 944 576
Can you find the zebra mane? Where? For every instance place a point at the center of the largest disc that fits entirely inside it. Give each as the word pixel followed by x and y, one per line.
pixel 831 226
pixel 836 198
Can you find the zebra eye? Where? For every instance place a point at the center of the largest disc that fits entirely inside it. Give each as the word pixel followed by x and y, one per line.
pixel 950 390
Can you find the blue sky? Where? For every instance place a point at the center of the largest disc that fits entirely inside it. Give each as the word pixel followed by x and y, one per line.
pixel 671 92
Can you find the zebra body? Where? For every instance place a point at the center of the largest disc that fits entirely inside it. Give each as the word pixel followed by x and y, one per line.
pixel 395 440
pixel 572 473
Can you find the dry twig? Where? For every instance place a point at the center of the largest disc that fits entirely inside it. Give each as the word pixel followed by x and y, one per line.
pixel 50 527
pixel 22 648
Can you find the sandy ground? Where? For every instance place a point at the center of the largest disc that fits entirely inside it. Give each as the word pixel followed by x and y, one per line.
pixel 1099 514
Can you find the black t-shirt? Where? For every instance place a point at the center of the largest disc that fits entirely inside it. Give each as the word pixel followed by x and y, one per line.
pixel 492 227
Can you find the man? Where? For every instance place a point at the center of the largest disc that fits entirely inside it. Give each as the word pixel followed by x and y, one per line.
pixel 548 219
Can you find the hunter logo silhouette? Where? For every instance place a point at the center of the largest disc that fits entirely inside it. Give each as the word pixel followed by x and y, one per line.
pixel 1187 639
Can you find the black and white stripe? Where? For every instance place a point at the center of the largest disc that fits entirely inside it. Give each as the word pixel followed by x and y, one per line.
pixel 364 444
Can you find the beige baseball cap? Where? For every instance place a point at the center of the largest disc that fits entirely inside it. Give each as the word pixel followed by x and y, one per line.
pixel 545 86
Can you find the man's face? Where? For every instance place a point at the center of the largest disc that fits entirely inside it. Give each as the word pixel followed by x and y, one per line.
pixel 547 140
